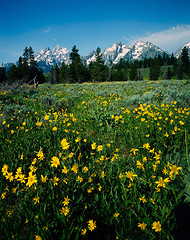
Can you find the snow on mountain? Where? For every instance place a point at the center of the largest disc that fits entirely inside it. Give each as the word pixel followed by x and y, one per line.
pixel 115 52
pixel 51 57
pixel 46 58
pixel 90 58
pixel 178 52
pixel 143 50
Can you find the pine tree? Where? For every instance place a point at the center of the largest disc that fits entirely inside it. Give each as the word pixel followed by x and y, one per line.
pixel 77 69
pixel 74 55
pixel 169 73
pixel 185 60
pixel 172 60
pixel 54 75
pixel 26 55
pixel 3 76
pixel 99 72
pixel 63 73
pixel 13 73
pixel 133 76
pixel 27 68
pixel 154 69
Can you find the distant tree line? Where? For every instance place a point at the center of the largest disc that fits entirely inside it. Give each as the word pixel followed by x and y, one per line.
pixel 164 67
pixel 159 67
pixel 26 69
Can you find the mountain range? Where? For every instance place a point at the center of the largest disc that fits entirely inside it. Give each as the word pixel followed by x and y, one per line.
pixel 46 58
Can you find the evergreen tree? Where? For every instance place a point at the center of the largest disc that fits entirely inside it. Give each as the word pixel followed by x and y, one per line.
pixel 169 73
pixel 27 68
pixel 54 75
pixel 3 77
pixel 154 69
pixel 26 55
pixel 133 76
pixel 172 60
pixel 13 73
pixel 185 60
pixel 77 70
pixel 179 70
pixel 99 72
pixel 63 73
pixel 74 55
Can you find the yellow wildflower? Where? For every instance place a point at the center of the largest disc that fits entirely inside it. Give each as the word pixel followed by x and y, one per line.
pixel 64 144
pixel 142 226
pixel 130 175
pixel 116 215
pixel 44 179
pixel 55 162
pixel 9 176
pixel 146 145
pixel 66 201
pixel 91 225
pixel 39 124
pixel 143 199
pixel 93 145
pixel 71 155
pixel 37 237
pixel 36 200
pixel 140 165
pixel 40 155
pixel 79 179
pixel 100 148
pixel 102 174
pixel 64 170
pixel 162 182
pixel 4 169
pixel 156 226
pixel 85 169
pixel 74 168
pixel 133 150
pixel 83 231
pixel 46 117
pixel 174 169
pixel 31 179
pixel 55 181
pixel 64 210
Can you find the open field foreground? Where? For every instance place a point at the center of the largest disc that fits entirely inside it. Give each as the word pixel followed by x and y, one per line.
pixel 95 161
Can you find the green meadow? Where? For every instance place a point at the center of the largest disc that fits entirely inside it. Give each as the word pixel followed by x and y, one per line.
pixel 95 161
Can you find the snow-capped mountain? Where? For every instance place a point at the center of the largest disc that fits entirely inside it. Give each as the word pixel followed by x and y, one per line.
pixel 142 50
pixel 115 52
pixel 51 57
pixel 119 50
pixel 178 52
pixel 46 58
pixel 90 58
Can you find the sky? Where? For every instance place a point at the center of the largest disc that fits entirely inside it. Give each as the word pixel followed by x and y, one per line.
pixel 90 24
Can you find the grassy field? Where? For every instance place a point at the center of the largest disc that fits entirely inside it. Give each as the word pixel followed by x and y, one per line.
pixel 95 161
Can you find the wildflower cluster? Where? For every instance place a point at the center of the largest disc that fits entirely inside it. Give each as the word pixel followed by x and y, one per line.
pixel 98 168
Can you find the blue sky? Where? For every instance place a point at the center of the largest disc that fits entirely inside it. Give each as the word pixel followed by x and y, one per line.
pixel 89 24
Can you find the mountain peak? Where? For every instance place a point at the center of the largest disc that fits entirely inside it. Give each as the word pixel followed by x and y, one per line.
pixel 178 52
pixel 57 47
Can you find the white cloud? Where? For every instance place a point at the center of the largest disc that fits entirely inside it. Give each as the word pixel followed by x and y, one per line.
pixel 47 30
pixel 169 40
